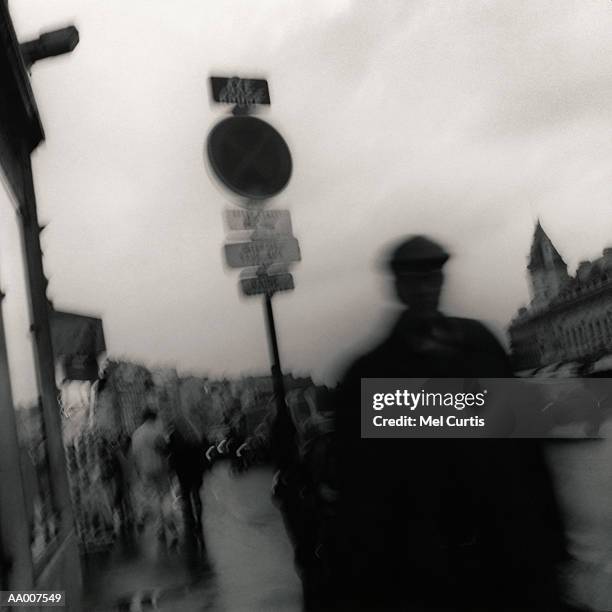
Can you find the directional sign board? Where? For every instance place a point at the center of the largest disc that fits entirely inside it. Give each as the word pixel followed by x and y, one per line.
pixel 277 221
pixel 270 270
pixel 264 283
pixel 262 252
pixel 244 92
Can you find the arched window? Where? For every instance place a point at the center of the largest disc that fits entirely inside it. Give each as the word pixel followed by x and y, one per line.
pixel 575 340
pixel 590 334
pixel 599 338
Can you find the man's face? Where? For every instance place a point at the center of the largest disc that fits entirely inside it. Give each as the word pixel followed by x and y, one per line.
pixel 420 291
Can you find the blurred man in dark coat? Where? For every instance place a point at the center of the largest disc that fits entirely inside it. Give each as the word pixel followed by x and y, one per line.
pixel 187 457
pixel 438 524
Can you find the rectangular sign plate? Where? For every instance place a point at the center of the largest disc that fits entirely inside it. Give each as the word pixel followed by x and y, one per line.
pixel 262 252
pixel 266 284
pixel 277 221
pixel 244 92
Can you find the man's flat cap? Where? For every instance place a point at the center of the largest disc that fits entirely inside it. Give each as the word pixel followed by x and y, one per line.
pixel 417 254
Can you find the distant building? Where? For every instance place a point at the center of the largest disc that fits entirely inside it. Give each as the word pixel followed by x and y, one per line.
pixel 127 388
pixel 121 397
pixel 569 318
pixel 257 395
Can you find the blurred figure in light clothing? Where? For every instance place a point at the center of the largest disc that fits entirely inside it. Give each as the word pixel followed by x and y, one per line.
pixel 150 457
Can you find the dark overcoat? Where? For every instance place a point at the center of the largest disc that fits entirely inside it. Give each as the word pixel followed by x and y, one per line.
pixel 445 524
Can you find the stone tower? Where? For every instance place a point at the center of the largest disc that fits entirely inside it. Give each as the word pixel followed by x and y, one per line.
pixel 547 270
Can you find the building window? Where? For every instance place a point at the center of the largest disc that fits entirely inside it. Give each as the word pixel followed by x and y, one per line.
pixel 606 323
pixel 590 336
pixel 599 340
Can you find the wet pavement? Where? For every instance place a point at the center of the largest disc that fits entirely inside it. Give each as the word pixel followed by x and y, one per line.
pixel 248 563
pixel 247 543
pixel 583 476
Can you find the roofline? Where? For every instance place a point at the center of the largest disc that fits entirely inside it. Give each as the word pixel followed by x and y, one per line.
pixel 560 306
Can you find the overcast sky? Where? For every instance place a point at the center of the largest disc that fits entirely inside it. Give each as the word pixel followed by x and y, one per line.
pixel 464 120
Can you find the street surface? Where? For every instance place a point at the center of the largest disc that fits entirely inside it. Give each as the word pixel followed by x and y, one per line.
pixel 247 543
pixel 583 475
pixel 249 558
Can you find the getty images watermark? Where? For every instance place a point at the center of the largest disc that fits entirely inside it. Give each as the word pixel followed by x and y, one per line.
pixel 485 407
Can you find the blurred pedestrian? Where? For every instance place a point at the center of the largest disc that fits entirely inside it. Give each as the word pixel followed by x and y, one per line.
pixel 187 453
pixel 235 428
pixel 150 455
pixel 303 484
pixel 122 478
pixel 437 524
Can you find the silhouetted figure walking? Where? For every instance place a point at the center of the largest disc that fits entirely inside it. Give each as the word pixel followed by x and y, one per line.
pixel 437 524
pixel 115 473
pixel 187 451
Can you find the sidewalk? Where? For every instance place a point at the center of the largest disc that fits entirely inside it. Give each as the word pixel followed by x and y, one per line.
pixel 118 579
pixel 248 563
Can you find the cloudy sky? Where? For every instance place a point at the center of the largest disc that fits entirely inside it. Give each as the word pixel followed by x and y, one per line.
pixel 464 120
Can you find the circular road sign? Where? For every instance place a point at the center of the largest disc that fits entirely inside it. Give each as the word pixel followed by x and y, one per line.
pixel 249 157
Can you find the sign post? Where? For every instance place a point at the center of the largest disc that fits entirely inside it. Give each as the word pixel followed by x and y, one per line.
pixel 276 221
pixel 251 159
pixel 266 284
pixel 282 424
pixel 265 251
pixel 244 92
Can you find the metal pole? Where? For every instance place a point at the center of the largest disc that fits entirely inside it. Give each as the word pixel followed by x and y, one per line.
pixel 283 429
pixel 272 339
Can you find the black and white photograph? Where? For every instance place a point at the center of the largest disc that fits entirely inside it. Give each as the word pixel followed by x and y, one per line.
pixel 306 305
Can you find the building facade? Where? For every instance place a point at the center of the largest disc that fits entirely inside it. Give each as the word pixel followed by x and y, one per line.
pixel 569 318
pixel 38 548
